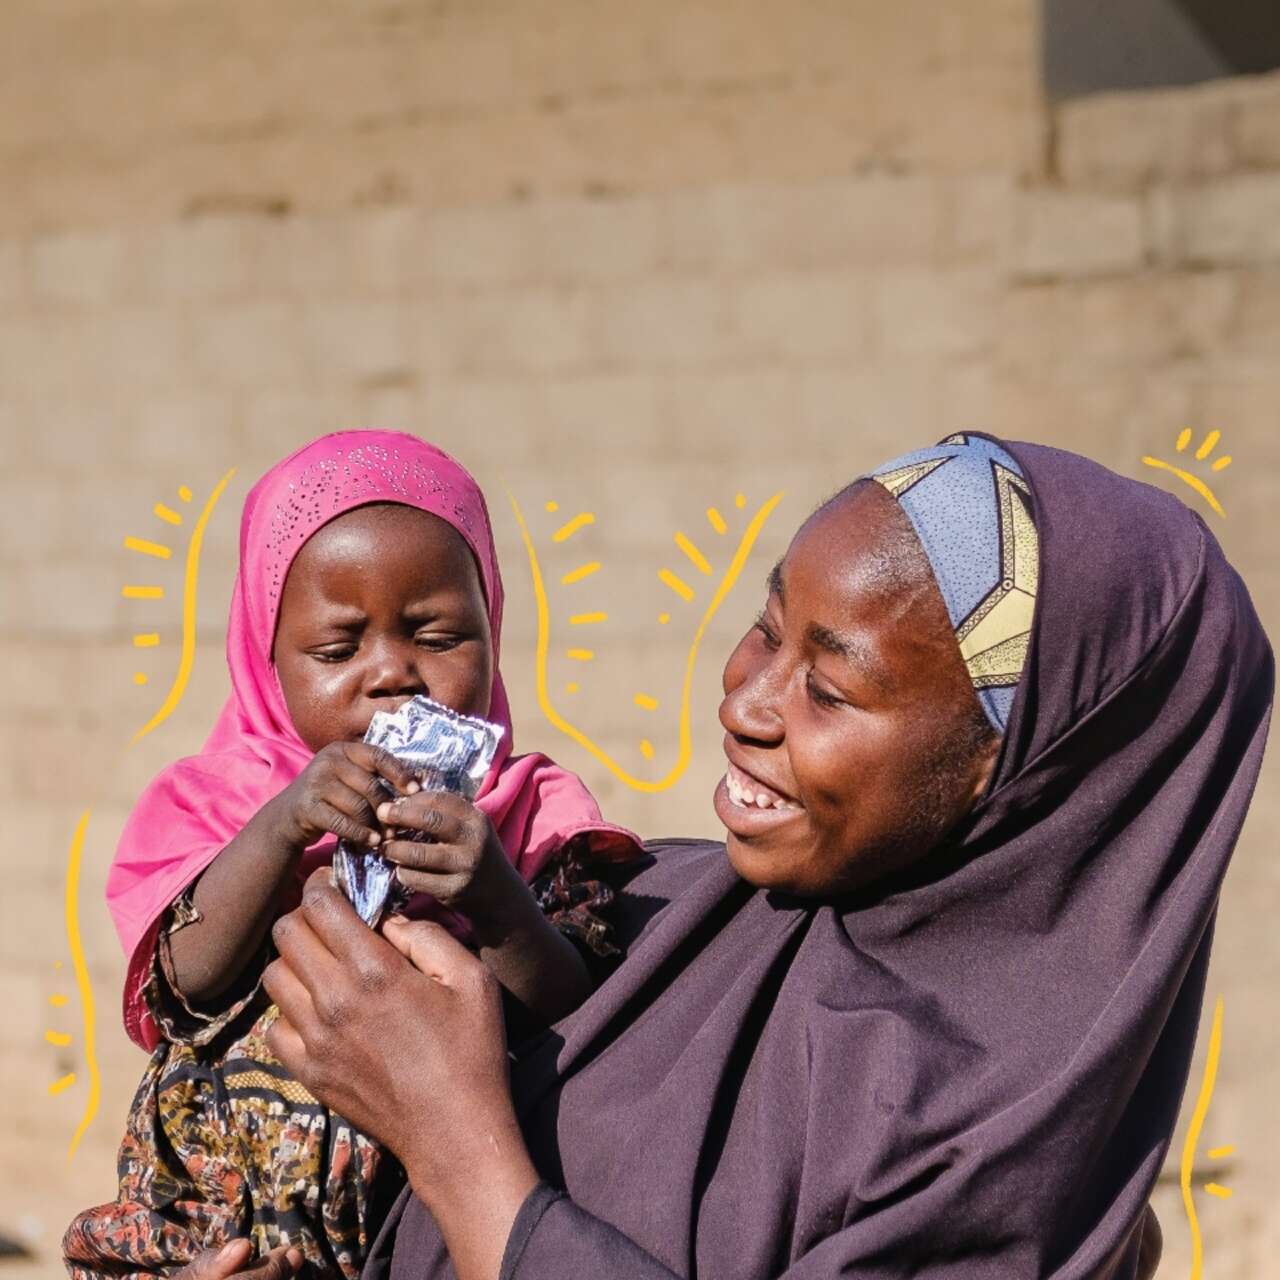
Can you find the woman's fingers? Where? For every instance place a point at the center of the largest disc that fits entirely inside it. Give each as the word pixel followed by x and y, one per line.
pixel 351 946
pixel 289 1047
pixel 289 994
pixel 430 948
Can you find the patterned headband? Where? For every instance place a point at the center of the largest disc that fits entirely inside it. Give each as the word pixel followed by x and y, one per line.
pixel 971 509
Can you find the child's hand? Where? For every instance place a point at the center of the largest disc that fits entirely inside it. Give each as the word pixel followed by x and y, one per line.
pixel 338 792
pixel 463 866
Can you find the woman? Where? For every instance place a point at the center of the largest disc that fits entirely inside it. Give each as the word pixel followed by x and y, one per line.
pixel 989 749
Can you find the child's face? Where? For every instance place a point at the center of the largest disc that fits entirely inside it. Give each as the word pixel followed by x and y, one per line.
pixel 380 604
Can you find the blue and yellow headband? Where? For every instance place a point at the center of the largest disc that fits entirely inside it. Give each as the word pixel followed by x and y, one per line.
pixel 971 509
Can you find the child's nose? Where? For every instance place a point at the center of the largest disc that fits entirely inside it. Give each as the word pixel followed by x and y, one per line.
pixel 393 672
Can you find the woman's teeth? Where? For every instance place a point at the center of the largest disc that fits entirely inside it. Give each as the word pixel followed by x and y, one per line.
pixel 743 795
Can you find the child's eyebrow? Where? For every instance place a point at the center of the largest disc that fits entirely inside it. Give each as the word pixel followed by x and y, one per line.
pixel 339 615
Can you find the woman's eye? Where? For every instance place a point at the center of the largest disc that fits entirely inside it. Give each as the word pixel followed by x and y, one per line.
pixel 767 633
pixel 820 696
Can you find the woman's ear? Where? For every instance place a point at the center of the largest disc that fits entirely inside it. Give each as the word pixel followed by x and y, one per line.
pixel 984 767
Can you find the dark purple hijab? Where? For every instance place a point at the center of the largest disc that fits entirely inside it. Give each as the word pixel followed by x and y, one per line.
pixel 976 1072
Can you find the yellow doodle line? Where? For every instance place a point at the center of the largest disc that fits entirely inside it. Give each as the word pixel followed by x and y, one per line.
pixel 82 984
pixel 179 686
pixel 1193 1138
pixel 544 644
pixel 1187 478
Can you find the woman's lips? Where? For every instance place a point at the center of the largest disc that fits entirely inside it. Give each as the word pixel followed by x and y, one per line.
pixel 747 790
pixel 745 818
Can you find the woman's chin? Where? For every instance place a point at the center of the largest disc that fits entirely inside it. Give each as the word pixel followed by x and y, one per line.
pixel 757 840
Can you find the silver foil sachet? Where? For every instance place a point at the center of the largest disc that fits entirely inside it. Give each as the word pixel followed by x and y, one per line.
pixel 446 751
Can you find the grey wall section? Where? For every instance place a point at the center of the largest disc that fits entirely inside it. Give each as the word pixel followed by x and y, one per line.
pixel 1091 46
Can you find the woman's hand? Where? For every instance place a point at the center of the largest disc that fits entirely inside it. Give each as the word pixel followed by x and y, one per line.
pixel 236 1259
pixel 402 1035
pixel 338 792
pixel 462 864
pixel 404 1041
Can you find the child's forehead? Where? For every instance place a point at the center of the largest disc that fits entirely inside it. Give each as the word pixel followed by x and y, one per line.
pixel 375 557
pixel 340 475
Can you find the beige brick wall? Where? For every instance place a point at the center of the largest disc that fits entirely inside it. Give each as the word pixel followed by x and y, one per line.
pixel 631 258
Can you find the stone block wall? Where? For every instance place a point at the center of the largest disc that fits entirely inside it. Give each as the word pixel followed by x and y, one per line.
pixel 631 259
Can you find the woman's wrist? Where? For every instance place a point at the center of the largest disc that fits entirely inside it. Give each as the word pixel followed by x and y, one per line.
pixel 475 1195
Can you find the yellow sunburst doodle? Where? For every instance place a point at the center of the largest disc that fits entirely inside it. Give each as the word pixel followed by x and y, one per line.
pixel 145 641
pixel 1207 446
pixel 1192 1142
pixel 699 567
pixel 190 581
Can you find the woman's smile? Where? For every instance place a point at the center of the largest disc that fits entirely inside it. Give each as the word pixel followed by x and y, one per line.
pixel 749 807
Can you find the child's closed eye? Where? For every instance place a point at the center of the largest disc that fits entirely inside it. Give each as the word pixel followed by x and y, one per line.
pixel 438 642
pixel 333 653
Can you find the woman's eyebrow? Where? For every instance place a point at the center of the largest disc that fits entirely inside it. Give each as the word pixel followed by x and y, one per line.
pixel 774 582
pixel 844 647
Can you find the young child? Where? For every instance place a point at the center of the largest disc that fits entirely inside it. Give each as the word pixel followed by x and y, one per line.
pixel 367 575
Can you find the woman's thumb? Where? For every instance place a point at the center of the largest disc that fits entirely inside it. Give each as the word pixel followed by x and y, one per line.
pixel 425 944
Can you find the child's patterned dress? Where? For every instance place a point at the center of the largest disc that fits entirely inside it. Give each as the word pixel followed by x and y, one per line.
pixel 221 1142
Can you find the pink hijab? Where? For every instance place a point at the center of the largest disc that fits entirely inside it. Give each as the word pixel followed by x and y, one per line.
pixel 194 807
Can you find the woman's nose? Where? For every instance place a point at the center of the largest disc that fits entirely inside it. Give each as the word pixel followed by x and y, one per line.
pixel 749 708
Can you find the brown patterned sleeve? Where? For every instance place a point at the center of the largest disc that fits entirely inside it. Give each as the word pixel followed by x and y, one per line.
pixel 181 1022
pixel 576 901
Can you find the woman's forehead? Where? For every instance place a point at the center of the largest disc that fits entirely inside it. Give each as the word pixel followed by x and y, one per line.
pixel 859 544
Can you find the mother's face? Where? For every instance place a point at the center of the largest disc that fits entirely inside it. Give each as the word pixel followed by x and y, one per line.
pixel 854 738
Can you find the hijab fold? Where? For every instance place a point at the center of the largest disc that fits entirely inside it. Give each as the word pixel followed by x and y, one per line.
pixel 187 815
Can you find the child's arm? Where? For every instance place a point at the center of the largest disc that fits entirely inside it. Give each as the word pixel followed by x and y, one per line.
pixel 466 869
pixel 236 896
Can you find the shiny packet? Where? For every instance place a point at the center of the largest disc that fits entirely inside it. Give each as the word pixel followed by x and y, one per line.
pixel 447 751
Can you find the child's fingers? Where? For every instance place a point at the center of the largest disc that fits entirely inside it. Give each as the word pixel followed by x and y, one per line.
pixel 279 1264
pixel 343 825
pixel 218 1264
pixel 371 789
pixel 443 887
pixel 356 793
pixel 439 859
pixel 378 760
pixel 441 815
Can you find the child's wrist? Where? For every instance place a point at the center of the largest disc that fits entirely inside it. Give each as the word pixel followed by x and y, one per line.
pixel 277 816
pixel 508 921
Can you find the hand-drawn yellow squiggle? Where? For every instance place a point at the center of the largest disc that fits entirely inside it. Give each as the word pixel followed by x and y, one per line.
pixel 1187 478
pixel 544 643
pixel 1193 1138
pixel 82 982
pixel 179 685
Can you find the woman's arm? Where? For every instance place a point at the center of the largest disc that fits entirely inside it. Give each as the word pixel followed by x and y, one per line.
pixel 403 1036
pixel 406 1041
